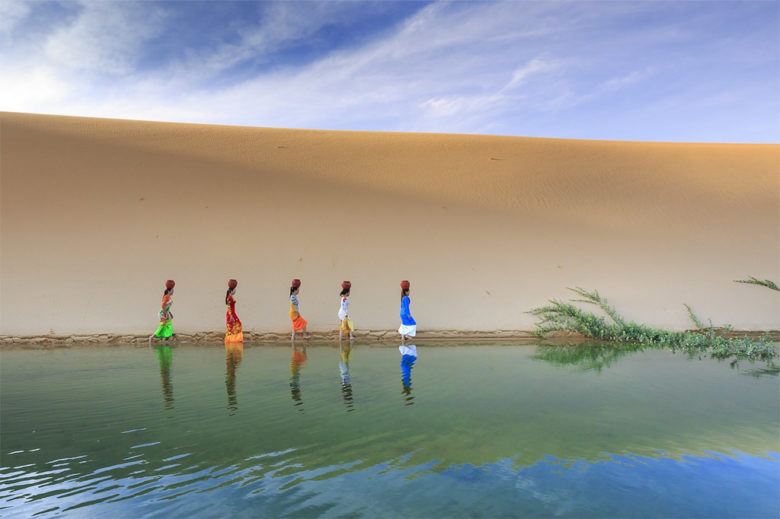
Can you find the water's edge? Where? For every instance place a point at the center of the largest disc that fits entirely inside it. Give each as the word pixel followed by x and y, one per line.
pixel 523 336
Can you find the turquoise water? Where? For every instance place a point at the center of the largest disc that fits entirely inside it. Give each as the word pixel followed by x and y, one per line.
pixel 467 431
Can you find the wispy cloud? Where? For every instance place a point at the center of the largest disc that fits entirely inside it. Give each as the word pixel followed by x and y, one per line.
pixel 11 14
pixel 530 68
pixel 105 37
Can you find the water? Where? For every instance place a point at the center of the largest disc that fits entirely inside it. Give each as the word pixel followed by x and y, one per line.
pixel 466 431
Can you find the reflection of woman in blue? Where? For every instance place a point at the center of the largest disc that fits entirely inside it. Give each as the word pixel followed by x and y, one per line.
pixel 408 357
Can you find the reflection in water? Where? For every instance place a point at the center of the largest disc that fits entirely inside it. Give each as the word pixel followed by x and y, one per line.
pixel 769 368
pixel 296 364
pixel 589 356
pixel 345 354
pixel 408 357
pixel 496 435
pixel 595 356
pixel 165 359
pixel 234 352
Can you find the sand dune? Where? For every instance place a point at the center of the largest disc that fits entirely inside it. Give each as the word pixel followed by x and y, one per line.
pixel 97 213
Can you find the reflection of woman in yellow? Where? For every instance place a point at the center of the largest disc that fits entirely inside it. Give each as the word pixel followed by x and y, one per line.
pixel 345 351
pixel 165 359
pixel 234 352
pixel 296 364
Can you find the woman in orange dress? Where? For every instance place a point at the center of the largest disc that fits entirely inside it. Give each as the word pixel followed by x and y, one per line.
pixel 234 332
pixel 298 322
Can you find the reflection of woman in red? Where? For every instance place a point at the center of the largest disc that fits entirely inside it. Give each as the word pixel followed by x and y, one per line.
pixel 234 352
pixel 234 331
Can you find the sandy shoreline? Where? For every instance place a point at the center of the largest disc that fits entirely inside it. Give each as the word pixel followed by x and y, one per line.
pixel 96 214
pixel 361 337
pixel 271 337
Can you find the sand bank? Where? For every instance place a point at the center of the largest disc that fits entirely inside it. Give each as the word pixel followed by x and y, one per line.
pixel 97 213
pixel 362 338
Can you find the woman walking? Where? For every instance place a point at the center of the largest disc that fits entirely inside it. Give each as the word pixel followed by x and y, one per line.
pixel 165 329
pixel 234 332
pixel 408 326
pixel 298 322
pixel 346 323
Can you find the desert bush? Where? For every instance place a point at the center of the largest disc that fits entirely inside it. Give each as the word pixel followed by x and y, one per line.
pixel 565 316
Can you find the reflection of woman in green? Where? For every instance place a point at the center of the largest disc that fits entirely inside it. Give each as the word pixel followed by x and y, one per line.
pixel 165 358
pixel 234 352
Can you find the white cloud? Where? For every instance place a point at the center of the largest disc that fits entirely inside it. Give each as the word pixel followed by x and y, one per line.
pixel 617 83
pixel 106 37
pixel 534 66
pixel 12 12
pixel 452 66
pixel 30 89
pixel 433 68
pixel 281 24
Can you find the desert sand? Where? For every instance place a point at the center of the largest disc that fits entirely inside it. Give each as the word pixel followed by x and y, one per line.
pixel 96 214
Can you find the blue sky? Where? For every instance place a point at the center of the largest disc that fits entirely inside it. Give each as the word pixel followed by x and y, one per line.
pixel 650 70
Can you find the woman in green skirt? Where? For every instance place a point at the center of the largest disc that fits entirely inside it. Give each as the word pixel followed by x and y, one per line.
pixel 165 330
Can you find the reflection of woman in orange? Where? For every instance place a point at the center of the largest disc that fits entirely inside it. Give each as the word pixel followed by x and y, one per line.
pixel 234 331
pixel 298 322
pixel 296 363
pixel 234 352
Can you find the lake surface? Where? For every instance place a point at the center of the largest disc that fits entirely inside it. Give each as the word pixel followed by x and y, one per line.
pixel 459 431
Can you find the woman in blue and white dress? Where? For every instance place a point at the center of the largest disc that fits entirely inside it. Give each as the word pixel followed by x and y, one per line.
pixel 408 326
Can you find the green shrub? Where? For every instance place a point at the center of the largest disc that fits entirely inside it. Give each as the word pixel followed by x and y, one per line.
pixel 564 316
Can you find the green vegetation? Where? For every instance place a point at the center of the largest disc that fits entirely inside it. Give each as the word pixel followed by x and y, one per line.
pixel 565 316
pixel 764 283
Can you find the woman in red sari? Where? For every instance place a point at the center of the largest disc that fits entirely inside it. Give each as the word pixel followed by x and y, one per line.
pixel 234 331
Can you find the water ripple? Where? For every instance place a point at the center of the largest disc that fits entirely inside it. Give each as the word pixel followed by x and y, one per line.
pixel 488 426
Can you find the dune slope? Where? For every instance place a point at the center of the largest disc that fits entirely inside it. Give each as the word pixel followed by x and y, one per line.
pixel 96 214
